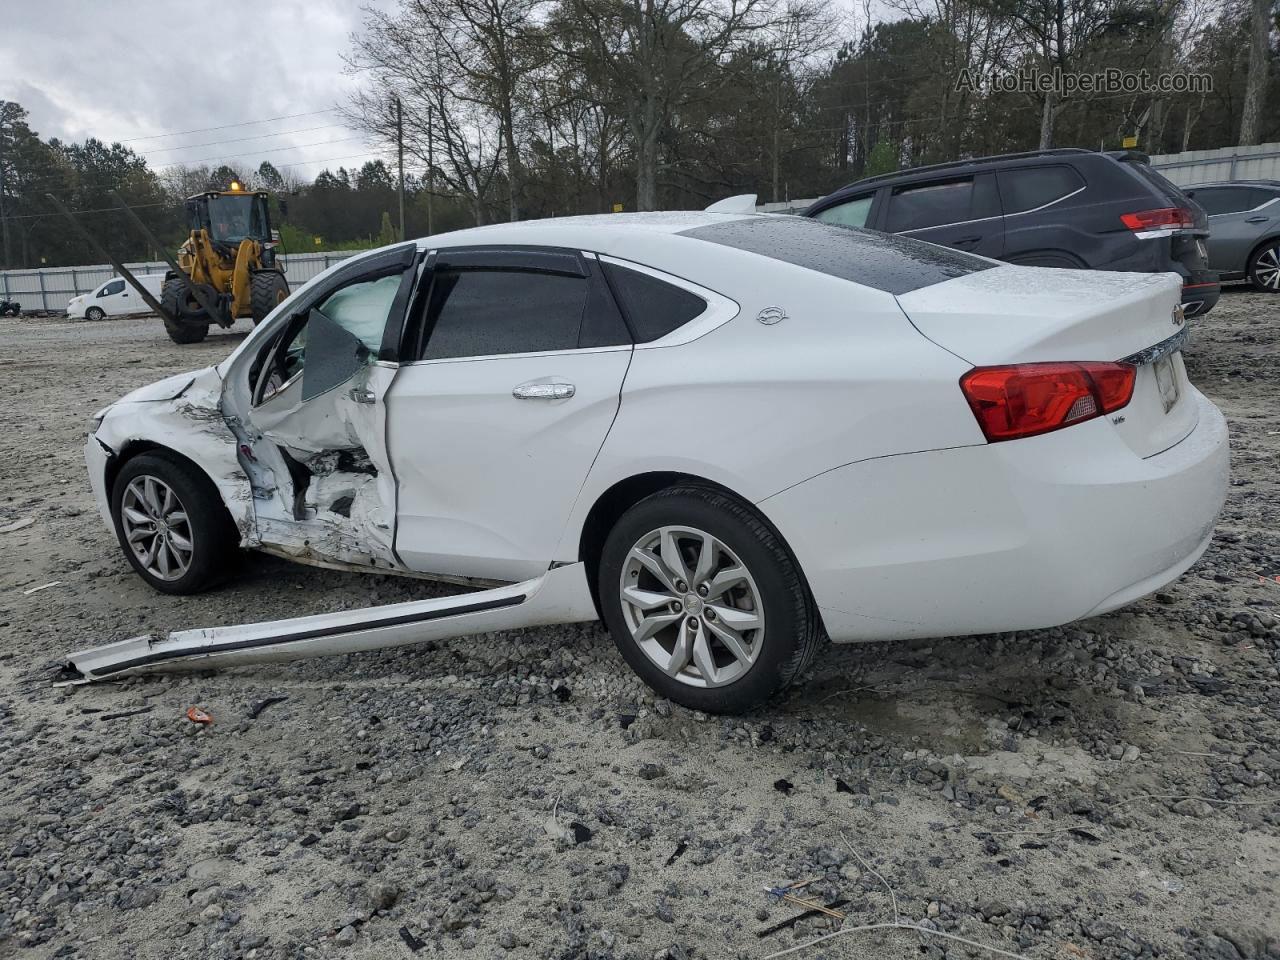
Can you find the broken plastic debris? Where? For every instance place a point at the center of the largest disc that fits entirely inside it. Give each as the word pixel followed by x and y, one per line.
pixel 196 715
pixel 17 525
pixel 43 586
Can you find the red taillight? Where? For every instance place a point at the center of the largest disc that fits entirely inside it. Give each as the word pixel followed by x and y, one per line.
pixel 1025 399
pixel 1178 218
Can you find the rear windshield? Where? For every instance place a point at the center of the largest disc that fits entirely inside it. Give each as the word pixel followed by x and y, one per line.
pixel 1159 181
pixel 879 260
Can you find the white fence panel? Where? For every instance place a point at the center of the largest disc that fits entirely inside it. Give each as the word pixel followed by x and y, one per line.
pixel 51 288
pixel 1261 162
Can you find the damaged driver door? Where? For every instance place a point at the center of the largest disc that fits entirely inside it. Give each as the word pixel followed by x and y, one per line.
pixel 313 430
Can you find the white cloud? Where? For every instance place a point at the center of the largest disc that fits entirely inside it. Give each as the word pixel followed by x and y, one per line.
pixel 130 69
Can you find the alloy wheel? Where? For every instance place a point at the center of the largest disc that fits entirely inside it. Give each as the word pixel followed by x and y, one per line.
pixel 692 606
pixel 1266 269
pixel 157 528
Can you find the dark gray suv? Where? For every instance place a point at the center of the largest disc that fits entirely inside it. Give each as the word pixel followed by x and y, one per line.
pixel 1244 229
pixel 1047 208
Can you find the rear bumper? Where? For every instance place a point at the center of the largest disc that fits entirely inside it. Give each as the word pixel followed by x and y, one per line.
pixel 1011 536
pixel 1200 292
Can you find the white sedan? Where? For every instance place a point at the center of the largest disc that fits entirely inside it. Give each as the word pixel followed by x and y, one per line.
pixel 729 436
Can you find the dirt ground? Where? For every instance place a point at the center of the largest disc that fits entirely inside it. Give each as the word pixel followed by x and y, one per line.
pixel 1108 789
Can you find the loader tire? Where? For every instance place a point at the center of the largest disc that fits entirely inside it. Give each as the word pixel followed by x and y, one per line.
pixel 172 297
pixel 267 290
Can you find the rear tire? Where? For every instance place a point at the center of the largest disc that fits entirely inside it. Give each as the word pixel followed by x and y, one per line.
pixel 187 509
pixel 173 297
pixel 767 589
pixel 95 314
pixel 1264 267
pixel 267 290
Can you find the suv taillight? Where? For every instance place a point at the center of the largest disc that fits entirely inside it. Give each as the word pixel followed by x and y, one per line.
pixel 1175 218
pixel 1026 399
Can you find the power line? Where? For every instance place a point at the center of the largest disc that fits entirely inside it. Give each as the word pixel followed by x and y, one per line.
pixel 227 126
pixel 135 206
pixel 258 136
pixel 256 153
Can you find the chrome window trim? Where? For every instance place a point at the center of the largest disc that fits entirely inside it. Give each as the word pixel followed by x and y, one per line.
pixel 1046 206
pixel 616 348
pixel 720 309
pixel 1159 350
pixel 1236 213
pixel 953 223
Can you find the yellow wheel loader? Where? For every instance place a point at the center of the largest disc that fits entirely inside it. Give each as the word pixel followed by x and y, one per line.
pixel 229 265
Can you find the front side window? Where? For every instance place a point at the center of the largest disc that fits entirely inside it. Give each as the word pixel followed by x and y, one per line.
pixel 1034 187
pixel 112 288
pixel 482 313
pixel 851 213
pixel 930 205
pixel 359 308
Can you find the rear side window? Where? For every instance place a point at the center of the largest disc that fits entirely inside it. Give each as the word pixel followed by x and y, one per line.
pixel 851 213
pixel 930 205
pixel 654 307
pixel 1219 200
pixel 881 261
pixel 1032 187
pixel 480 313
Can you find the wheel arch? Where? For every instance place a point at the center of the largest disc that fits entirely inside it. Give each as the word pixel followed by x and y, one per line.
pixel 1258 247
pixel 616 500
pixel 133 448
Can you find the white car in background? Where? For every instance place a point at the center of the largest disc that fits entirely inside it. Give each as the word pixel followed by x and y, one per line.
pixel 115 298
pixel 728 436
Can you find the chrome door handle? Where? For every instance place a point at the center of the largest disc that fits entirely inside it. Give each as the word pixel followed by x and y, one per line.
pixel 544 391
pixel 360 395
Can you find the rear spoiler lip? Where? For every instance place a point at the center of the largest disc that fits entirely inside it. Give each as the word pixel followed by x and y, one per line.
pixel 1159 350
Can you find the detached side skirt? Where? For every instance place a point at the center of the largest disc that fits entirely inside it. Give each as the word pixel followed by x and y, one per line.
pixel 561 595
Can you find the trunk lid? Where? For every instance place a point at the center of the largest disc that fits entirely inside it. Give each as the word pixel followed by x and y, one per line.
pixel 1014 314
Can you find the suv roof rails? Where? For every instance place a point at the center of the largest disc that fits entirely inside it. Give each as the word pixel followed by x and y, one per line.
pixel 1025 155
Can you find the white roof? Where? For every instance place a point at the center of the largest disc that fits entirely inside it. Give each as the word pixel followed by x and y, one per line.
pixel 601 232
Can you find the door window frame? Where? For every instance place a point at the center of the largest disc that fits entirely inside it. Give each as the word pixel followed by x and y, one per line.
pixel 348 274
pixel 983 181
pixel 556 261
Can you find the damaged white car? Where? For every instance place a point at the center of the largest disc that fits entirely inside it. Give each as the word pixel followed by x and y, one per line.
pixel 729 436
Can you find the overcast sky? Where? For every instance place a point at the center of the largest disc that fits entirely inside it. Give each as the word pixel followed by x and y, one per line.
pixel 129 69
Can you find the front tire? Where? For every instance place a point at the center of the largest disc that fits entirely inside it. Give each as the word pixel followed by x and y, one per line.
pixel 171 523
pixel 1264 267
pixel 95 314
pixel 267 290
pixel 178 302
pixel 705 602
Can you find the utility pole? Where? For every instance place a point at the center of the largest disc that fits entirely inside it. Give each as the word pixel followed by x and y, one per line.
pixel 400 154
pixel 431 169
pixel 4 223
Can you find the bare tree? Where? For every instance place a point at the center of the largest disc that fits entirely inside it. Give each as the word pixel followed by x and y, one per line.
pixel 1062 36
pixel 447 125
pixel 1262 14
pixel 658 54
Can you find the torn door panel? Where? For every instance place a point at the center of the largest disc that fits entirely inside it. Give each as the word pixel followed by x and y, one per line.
pixel 182 414
pixel 309 457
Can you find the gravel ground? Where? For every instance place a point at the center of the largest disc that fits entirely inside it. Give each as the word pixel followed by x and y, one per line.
pixel 1107 789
